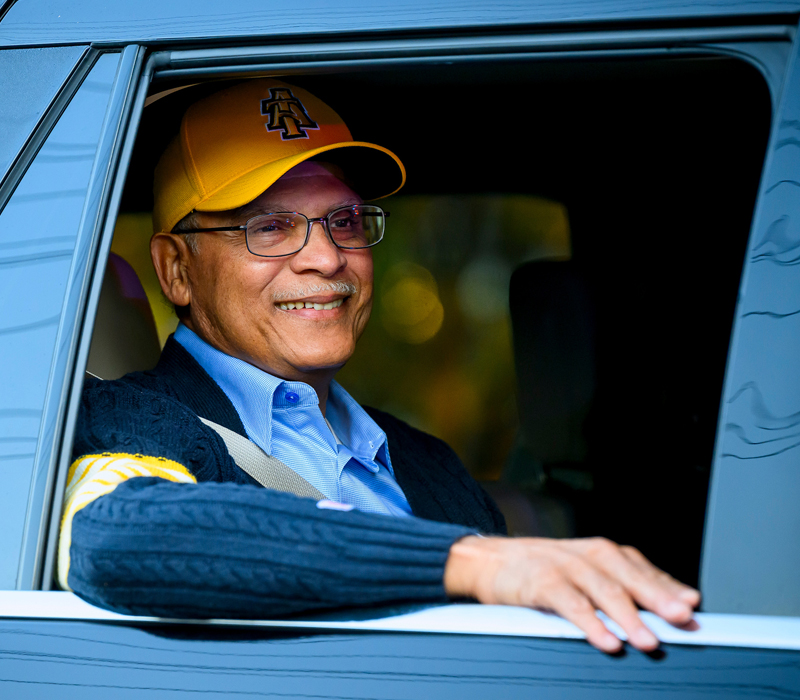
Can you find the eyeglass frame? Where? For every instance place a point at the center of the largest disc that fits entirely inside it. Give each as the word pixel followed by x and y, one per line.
pixel 323 220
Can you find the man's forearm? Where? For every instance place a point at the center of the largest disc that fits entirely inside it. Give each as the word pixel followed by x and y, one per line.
pixel 221 550
pixel 152 547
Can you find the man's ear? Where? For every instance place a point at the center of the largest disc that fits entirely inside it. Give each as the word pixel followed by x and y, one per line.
pixel 171 259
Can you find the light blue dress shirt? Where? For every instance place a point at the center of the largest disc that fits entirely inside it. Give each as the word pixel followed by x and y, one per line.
pixel 349 465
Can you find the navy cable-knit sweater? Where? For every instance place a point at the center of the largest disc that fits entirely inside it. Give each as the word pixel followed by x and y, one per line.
pixel 227 547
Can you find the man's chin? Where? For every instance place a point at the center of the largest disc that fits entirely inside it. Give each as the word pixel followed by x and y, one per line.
pixel 320 362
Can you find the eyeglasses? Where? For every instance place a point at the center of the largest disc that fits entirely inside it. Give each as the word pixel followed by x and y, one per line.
pixel 285 233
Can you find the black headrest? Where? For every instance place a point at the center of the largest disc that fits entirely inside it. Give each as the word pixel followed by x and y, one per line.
pixel 552 318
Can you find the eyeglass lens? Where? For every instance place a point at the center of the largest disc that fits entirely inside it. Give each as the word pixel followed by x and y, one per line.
pixel 284 233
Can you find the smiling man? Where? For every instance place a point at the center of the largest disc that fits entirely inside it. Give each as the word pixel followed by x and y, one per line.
pixel 276 332
pixel 298 302
pixel 263 244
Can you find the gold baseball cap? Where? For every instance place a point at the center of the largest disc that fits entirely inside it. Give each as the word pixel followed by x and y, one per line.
pixel 236 143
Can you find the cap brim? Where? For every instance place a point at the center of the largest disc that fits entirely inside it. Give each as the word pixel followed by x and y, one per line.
pixel 373 172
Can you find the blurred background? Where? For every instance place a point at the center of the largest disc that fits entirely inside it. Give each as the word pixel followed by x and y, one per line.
pixel 438 350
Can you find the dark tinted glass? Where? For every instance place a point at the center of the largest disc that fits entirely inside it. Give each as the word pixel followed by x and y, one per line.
pixel 37 236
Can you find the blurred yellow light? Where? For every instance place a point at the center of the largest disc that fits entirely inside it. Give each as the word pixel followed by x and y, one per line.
pixel 410 305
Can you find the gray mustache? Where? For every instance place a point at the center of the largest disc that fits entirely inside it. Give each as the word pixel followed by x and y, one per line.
pixel 336 287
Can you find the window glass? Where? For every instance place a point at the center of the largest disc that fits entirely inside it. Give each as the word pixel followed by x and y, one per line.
pixel 38 228
pixel 29 80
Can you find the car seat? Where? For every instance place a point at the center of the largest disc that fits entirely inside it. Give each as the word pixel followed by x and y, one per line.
pixel 553 326
pixel 124 337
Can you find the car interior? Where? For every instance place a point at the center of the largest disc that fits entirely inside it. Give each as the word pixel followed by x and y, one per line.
pixel 557 285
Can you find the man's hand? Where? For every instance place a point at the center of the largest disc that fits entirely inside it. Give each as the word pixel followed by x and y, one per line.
pixel 573 578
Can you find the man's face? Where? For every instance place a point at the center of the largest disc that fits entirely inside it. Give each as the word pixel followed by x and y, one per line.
pixel 236 296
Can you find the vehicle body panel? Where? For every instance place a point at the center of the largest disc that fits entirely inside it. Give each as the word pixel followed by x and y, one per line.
pixel 52 641
pixel 51 197
pixel 752 631
pixel 85 661
pixel 42 22
pixel 751 561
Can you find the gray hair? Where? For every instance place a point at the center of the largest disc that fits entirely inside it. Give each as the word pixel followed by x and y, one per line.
pixel 188 222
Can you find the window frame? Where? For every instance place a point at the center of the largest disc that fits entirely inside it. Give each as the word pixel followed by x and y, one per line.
pixel 74 72
pixel 754 44
pixel 55 435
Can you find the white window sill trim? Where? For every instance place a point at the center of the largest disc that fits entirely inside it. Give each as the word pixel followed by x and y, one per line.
pixel 753 631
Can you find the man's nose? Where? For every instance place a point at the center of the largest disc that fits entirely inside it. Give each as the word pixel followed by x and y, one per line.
pixel 319 253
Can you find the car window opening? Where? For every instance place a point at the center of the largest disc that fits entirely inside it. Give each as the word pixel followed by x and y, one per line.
pixel 555 291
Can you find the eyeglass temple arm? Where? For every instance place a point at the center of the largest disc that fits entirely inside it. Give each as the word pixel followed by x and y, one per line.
pixel 211 230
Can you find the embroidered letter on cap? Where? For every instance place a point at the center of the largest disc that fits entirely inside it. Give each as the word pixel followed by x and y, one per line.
pixel 286 112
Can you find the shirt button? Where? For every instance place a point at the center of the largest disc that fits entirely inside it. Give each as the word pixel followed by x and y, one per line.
pixel 291 397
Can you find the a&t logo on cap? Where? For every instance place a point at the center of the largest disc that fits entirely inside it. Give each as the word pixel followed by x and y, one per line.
pixel 287 114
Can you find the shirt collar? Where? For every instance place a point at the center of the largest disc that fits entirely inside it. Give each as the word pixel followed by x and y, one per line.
pixel 245 385
pixel 355 428
pixel 252 390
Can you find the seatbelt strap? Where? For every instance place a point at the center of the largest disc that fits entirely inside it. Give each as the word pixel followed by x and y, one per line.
pixel 267 470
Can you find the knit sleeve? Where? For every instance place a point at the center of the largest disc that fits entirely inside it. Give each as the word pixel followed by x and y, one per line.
pixel 211 550
pixel 126 432
pixel 92 476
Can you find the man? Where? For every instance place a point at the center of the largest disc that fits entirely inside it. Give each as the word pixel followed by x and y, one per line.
pixel 263 244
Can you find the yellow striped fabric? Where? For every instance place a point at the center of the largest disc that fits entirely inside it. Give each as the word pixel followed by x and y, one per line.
pixel 92 476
